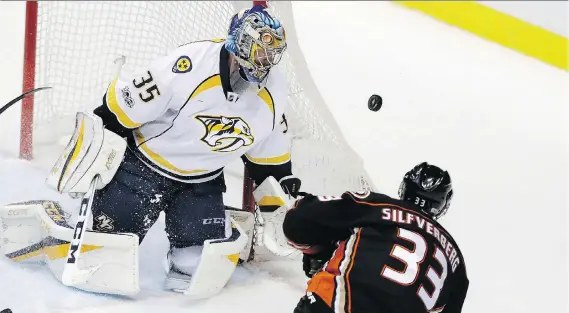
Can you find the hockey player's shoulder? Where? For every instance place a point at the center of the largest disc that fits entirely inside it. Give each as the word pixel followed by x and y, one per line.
pixel 361 197
pixel 203 45
pixel 276 82
pixel 276 76
pixel 276 89
pixel 367 197
pixel 187 56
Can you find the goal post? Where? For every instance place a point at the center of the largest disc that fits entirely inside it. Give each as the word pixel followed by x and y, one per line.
pixel 71 45
pixel 27 116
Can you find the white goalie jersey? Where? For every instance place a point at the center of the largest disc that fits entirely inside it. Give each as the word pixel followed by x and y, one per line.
pixel 187 126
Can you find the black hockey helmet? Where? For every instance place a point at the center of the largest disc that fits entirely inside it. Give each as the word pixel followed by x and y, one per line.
pixel 428 188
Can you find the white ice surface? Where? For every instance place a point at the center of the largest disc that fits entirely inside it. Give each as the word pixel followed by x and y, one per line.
pixel 32 288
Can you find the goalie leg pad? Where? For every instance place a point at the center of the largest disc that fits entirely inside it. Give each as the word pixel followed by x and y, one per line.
pixel 38 231
pixel 216 264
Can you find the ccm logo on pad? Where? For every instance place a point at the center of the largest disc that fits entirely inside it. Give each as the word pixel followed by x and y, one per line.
pixel 216 220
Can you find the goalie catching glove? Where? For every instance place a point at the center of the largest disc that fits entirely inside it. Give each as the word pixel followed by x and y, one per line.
pixel 291 185
pixel 274 200
pixel 312 263
pixel 272 194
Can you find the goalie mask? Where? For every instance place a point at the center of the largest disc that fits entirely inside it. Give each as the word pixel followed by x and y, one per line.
pixel 257 40
pixel 429 188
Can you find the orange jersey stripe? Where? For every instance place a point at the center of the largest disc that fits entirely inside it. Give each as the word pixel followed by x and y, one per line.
pixel 348 289
pixel 323 283
pixel 333 265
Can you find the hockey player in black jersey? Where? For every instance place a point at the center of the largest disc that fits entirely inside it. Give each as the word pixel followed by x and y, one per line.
pixel 367 252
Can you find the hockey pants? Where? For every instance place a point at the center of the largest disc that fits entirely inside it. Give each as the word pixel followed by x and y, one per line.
pixel 133 200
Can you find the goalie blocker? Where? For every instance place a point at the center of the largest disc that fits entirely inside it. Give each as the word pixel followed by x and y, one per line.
pixel 39 231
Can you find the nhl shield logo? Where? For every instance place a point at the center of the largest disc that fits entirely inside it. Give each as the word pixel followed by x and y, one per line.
pixel 225 134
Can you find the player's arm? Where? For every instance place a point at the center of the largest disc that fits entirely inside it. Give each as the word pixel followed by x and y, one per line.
pixel 269 158
pixel 458 296
pixel 272 156
pixel 316 221
pixel 132 99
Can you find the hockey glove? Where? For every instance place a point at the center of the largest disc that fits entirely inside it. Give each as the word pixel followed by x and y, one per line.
pixel 312 263
pixel 291 185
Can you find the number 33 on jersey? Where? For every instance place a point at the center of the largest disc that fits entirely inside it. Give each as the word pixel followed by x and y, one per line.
pixel 186 121
pixel 394 259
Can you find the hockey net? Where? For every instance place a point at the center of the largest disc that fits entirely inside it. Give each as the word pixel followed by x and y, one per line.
pixel 71 47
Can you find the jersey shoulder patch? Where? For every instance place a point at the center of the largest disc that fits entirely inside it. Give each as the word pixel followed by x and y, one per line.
pixel 190 57
pixel 360 194
pixel 328 198
pixel 364 197
pixel 182 65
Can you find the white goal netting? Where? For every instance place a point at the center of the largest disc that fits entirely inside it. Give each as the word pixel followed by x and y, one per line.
pixel 78 41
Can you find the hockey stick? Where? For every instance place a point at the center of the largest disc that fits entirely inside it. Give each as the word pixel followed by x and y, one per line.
pixel 15 100
pixel 72 275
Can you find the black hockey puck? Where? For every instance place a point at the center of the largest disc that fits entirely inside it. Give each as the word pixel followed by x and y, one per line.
pixel 374 103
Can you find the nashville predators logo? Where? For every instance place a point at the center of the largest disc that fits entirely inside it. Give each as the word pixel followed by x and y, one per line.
pixel 183 65
pixel 225 134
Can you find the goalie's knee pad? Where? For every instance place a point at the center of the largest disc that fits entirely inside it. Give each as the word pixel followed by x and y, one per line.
pixel 201 274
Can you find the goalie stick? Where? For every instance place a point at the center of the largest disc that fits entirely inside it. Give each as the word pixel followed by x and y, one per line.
pixel 72 275
pixel 15 100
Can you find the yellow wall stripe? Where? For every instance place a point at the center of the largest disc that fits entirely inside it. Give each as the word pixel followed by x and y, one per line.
pixel 114 107
pixel 498 27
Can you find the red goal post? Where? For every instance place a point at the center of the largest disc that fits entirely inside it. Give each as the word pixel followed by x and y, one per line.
pixel 70 46
pixel 27 116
